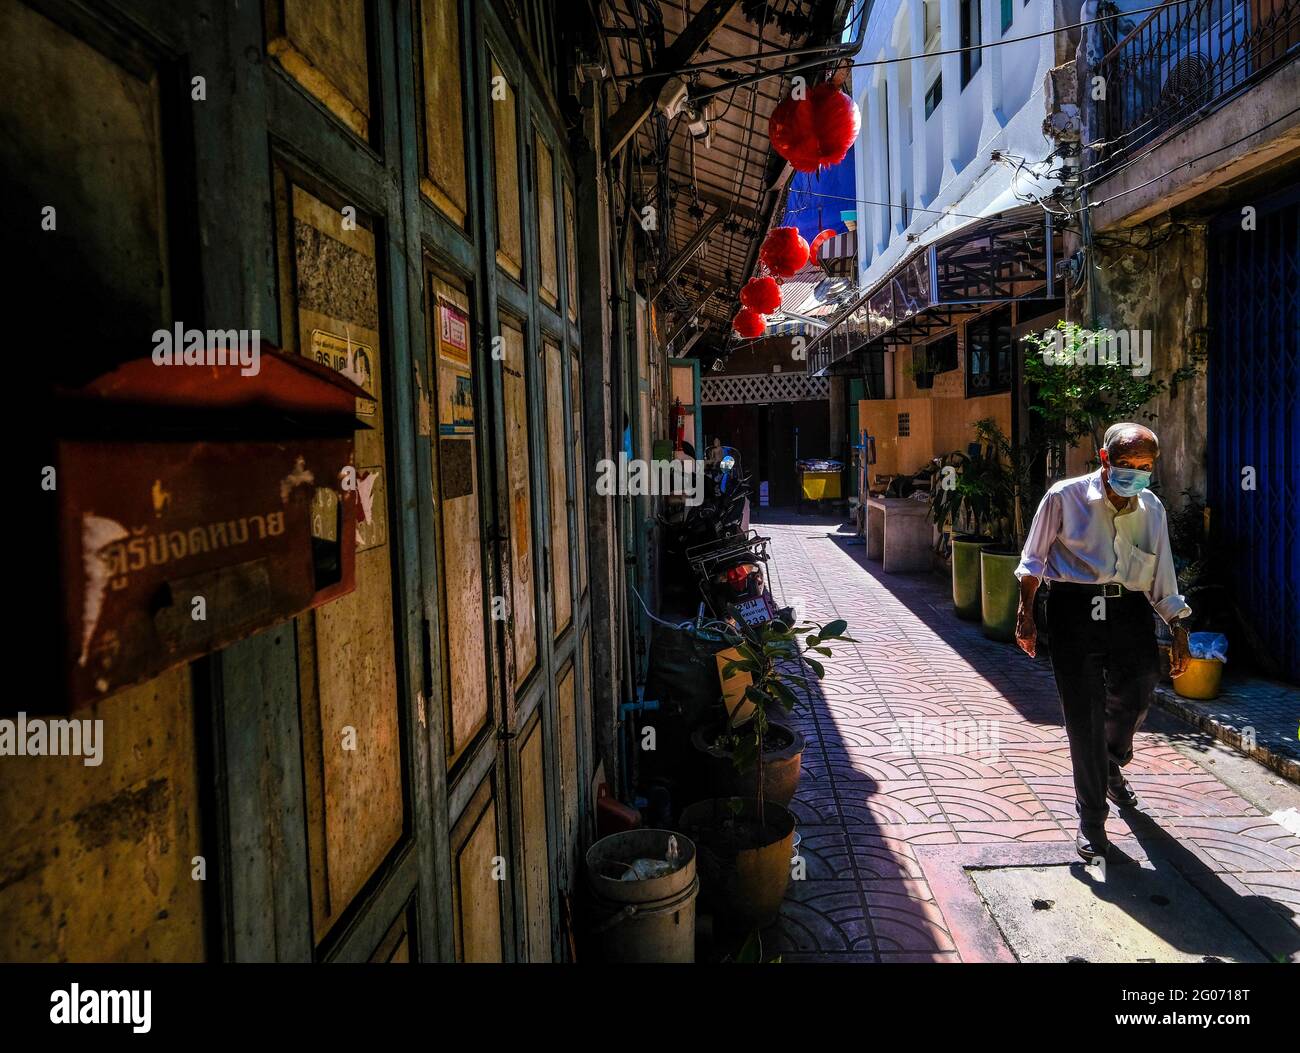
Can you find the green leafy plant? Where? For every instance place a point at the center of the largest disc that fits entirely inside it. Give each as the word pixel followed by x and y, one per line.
pixel 1080 395
pixel 774 656
pixel 987 491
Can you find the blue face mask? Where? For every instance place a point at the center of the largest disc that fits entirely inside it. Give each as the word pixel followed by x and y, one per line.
pixel 1128 482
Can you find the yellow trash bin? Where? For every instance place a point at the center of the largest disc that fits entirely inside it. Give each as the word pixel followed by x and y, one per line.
pixel 1200 680
pixel 817 485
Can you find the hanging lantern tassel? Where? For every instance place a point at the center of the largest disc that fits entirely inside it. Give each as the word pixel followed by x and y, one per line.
pixel 761 294
pixel 784 252
pixel 816 130
pixel 749 324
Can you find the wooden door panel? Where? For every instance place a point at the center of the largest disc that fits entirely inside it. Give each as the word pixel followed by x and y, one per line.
pixel 557 448
pixel 505 155
pixel 519 488
pixel 443 178
pixel 548 277
pixel 96 859
pixel 323 45
pixel 465 686
pixel 571 254
pixel 536 852
pixel 568 726
pixel 579 467
pixel 478 871
pixel 347 656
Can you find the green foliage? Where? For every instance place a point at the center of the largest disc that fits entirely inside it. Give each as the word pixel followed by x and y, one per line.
pixel 770 654
pixel 1077 398
pixel 990 488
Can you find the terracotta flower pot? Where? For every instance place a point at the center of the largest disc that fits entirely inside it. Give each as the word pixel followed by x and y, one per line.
pixel 744 866
pixel 781 765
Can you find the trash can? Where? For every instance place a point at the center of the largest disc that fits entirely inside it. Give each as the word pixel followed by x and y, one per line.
pixel 644 919
pixel 1204 672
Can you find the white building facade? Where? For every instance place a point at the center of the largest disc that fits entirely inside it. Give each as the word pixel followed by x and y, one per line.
pixel 931 126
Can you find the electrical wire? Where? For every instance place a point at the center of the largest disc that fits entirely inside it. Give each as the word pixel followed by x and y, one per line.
pixel 815 64
pixel 1194 160
pixel 1154 179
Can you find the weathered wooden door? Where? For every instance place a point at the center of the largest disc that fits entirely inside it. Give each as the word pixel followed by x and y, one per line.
pixel 507 509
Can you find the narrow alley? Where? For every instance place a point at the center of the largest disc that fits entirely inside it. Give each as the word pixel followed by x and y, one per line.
pixel 890 821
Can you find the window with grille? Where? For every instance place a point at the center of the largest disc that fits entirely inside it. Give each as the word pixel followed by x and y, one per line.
pixel 873 374
pixel 904 425
pixel 938 356
pixel 988 353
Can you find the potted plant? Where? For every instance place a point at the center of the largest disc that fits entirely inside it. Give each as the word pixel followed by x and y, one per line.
pixel 744 842
pixel 959 503
pixel 1000 476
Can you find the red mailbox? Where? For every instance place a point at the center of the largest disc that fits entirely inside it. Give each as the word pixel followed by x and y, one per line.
pixel 197 505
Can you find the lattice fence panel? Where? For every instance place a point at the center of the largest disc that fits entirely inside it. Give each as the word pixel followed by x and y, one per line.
pixel 746 388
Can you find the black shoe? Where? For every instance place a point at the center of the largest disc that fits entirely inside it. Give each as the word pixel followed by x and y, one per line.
pixel 1092 843
pixel 1120 792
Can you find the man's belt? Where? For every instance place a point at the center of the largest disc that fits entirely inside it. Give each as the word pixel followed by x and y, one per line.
pixel 1111 590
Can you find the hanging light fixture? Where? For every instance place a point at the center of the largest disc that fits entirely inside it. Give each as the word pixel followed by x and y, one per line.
pixel 784 251
pixel 816 130
pixel 761 294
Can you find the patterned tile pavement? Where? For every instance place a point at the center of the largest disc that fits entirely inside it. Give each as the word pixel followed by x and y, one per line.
pixel 891 814
pixel 1257 717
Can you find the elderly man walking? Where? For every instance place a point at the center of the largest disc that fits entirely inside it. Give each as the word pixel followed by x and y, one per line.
pixel 1102 541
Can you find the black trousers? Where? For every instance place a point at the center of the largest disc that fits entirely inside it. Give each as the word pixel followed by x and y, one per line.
pixel 1105 661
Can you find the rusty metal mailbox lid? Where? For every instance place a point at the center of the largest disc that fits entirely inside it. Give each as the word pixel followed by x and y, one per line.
pixel 173 544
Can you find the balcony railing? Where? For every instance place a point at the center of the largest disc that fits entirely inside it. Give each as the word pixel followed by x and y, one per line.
pixel 1184 60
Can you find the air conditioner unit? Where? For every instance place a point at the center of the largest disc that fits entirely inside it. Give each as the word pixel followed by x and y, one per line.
pixel 1209 58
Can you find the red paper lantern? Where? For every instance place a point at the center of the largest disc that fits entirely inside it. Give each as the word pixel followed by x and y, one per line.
pixel 816 130
pixel 761 294
pixel 825 235
pixel 749 323
pixel 784 252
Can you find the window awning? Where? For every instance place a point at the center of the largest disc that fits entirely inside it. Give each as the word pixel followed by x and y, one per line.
pixel 997 259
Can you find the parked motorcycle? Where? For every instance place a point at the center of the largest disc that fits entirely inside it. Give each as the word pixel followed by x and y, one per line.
pixel 722 512
pixel 733 579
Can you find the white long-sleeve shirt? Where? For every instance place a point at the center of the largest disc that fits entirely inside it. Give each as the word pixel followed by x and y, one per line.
pixel 1079 535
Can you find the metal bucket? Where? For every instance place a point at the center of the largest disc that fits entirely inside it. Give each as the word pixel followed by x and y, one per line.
pixel 648 920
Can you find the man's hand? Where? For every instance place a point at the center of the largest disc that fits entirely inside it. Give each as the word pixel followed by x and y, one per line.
pixel 1026 630
pixel 1180 654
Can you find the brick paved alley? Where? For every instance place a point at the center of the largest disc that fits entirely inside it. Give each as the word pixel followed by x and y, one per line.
pixel 889 829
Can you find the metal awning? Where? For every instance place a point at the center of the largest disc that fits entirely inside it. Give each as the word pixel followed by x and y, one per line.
pixel 716 193
pixel 998 259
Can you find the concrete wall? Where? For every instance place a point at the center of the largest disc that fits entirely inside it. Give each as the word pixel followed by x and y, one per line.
pixel 943 161
pixel 1162 289
pixel 939 418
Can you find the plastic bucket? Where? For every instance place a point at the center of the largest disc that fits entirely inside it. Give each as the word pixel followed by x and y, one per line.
pixel 999 593
pixel 966 575
pixel 649 920
pixel 1200 680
